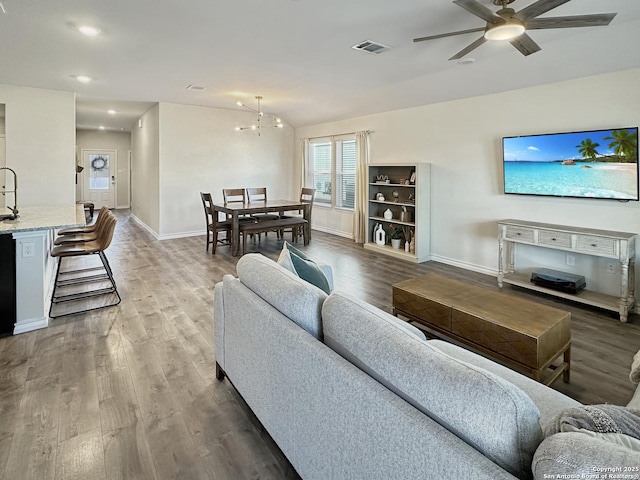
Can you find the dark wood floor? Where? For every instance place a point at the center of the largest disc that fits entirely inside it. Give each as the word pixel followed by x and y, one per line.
pixel 130 392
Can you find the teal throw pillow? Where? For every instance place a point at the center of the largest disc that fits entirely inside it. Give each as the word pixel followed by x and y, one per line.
pixel 307 269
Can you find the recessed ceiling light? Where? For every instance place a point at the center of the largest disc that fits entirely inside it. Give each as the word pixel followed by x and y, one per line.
pixel 197 88
pixel 101 127
pixel 83 79
pixel 466 61
pixel 111 111
pixel 88 30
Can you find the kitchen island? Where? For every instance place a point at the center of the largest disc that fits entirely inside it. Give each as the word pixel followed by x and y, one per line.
pixel 26 268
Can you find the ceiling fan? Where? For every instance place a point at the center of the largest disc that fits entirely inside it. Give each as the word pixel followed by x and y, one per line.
pixel 507 24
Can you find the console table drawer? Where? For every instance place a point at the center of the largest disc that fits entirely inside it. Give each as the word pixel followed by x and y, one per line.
pixel 606 246
pixel 519 233
pixel 556 239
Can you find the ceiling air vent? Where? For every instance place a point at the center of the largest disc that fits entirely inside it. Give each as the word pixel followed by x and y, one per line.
pixel 196 88
pixel 370 46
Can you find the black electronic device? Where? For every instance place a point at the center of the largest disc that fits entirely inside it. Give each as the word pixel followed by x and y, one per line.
pixel 562 281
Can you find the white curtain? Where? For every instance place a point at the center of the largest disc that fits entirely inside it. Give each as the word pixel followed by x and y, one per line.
pixel 305 162
pixel 360 206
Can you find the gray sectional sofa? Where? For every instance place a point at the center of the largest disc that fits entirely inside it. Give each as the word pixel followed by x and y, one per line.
pixel 348 391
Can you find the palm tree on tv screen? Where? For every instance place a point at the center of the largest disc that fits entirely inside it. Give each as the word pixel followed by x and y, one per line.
pixel 587 149
pixel 624 144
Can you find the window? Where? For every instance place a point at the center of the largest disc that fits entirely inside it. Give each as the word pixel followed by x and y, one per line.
pixel 333 162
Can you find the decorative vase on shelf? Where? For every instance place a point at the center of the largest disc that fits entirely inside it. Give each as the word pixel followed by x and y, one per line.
pixel 406 247
pixel 388 214
pixel 395 242
pixel 379 235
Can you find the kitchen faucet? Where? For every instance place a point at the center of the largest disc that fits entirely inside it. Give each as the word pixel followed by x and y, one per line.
pixel 14 210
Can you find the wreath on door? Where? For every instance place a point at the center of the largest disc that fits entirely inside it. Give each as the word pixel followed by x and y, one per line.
pixel 98 163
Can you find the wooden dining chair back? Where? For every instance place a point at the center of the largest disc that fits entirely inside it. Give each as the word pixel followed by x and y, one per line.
pixel 234 195
pixel 307 195
pixel 214 224
pixel 259 195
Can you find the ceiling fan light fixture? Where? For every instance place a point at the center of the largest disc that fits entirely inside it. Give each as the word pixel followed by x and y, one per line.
pixel 504 31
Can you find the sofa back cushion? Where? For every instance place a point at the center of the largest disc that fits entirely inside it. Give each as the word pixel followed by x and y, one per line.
pixel 489 413
pixel 285 291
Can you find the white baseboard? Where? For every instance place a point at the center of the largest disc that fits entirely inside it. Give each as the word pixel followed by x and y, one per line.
pixel 172 236
pixel 466 265
pixel 30 325
pixel 333 232
pixel 145 226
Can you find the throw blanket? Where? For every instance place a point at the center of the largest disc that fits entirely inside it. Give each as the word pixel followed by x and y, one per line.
pixel 597 418
pixel 634 376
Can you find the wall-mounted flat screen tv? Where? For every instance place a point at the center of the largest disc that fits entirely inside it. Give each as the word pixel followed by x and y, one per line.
pixel 589 164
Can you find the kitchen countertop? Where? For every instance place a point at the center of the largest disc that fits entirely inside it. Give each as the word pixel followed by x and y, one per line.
pixel 41 217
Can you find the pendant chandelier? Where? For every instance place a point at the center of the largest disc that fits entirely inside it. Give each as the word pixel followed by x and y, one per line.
pixel 263 120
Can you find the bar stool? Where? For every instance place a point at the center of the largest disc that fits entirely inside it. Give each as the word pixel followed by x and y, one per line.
pixel 79 276
pixel 88 228
pixel 84 234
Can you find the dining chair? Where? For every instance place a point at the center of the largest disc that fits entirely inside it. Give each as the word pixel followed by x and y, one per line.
pixel 255 195
pixel 214 224
pixel 307 195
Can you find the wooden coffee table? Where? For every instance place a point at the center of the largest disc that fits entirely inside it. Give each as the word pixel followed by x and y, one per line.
pixel 521 334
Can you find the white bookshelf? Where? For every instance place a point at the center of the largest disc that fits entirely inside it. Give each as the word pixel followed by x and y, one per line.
pixel 414 197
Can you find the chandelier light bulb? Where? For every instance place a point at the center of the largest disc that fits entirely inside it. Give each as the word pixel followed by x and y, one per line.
pixel 239 103
pixel 237 129
pixel 83 79
pixel 254 127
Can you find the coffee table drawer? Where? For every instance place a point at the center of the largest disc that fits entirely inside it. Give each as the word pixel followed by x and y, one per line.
pixel 422 308
pixel 497 338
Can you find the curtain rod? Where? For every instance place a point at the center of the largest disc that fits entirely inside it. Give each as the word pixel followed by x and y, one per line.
pixel 335 135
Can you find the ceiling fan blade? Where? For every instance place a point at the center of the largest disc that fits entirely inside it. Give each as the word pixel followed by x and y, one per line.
pixel 595 20
pixel 469 48
pixel 538 8
pixel 525 44
pixel 479 10
pixel 450 34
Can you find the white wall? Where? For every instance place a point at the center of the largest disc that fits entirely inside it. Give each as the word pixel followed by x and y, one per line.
pixel 462 141
pixel 201 152
pixel 145 170
pixel 40 143
pixel 105 140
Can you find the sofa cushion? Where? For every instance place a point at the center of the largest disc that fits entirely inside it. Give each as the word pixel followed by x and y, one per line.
pixel 285 291
pixel 299 263
pixel 549 401
pixel 488 412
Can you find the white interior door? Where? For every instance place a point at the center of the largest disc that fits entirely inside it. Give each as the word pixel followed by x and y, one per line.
pixel 99 173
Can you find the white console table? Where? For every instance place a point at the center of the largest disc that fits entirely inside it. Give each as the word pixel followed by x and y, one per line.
pixel 600 243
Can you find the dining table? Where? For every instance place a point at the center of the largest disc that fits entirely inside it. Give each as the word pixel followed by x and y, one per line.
pixel 235 210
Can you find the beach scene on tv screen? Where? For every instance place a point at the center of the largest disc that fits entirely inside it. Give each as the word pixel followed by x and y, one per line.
pixel 594 164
